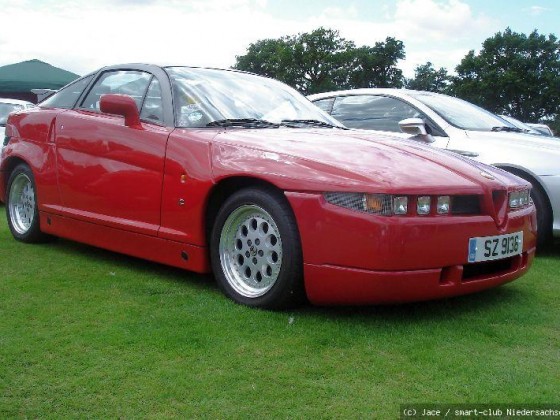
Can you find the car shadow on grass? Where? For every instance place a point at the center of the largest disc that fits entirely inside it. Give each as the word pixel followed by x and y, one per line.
pixel 550 250
pixel 440 310
pixel 205 283
pixel 125 262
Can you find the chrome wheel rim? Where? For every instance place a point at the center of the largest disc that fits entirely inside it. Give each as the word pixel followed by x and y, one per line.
pixel 22 204
pixel 250 251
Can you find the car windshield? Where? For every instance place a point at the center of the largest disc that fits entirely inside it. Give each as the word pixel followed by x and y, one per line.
pixel 463 114
pixel 5 110
pixel 210 97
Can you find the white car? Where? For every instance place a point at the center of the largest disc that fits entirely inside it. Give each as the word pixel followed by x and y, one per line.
pixel 7 106
pixel 461 127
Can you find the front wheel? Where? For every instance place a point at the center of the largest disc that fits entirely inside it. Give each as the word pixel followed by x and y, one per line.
pixel 21 206
pixel 544 217
pixel 256 251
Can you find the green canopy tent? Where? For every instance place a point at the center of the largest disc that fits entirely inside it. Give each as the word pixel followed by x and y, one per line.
pixel 17 80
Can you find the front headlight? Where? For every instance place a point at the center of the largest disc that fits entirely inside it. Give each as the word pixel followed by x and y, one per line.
pixel 400 205
pixel 519 199
pixel 423 205
pixel 443 204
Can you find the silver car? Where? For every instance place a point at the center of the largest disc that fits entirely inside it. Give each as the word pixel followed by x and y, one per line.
pixel 462 127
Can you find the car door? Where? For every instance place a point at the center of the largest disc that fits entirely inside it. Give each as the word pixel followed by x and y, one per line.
pixel 109 173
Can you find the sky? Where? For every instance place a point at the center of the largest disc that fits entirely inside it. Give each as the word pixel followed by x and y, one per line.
pixel 82 36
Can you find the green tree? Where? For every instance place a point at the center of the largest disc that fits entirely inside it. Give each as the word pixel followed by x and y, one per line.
pixel 377 66
pixel 322 60
pixel 267 57
pixel 310 62
pixel 426 77
pixel 513 74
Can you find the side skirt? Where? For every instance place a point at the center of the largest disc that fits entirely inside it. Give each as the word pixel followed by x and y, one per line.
pixel 164 251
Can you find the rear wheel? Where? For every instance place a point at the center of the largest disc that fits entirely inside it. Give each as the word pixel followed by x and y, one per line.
pixel 21 206
pixel 256 251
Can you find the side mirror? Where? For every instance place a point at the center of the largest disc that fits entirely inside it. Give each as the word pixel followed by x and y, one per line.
pixel 122 105
pixel 416 127
pixel 413 126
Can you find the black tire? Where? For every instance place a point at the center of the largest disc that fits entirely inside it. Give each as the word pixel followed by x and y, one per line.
pixel 544 217
pixel 22 211
pixel 255 250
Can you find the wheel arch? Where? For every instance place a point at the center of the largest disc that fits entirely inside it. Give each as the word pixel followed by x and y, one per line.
pixel 548 219
pixel 533 179
pixel 225 188
pixel 9 165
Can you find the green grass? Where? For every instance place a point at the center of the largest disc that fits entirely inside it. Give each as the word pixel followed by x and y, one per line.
pixel 89 333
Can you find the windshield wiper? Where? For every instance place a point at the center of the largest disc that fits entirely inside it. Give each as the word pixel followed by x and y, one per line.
pixel 508 129
pixel 243 122
pixel 312 123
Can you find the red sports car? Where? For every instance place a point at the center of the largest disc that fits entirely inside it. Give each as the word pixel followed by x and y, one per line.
pixel 224 171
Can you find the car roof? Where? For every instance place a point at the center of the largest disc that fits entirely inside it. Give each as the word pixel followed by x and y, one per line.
pixel 152 66
pixel 366 91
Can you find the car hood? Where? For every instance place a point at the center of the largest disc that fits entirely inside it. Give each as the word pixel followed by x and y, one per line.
pixel 540 154
pixel 522 140
pixel 346 160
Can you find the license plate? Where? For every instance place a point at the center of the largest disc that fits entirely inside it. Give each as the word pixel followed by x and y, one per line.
pixel 490 248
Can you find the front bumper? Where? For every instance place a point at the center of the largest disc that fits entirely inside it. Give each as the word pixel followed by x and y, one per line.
pixel 330 285
pixel 356 258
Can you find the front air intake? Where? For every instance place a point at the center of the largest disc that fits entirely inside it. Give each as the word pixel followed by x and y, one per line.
pixel 465 205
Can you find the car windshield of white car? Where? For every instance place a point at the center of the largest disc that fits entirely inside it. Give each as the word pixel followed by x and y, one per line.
pixel 462 114
pixel 6 109
pixel 209 98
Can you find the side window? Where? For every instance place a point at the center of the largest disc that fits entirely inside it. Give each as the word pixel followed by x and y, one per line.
pixel 325 104
pixel 66 98
pixel 125 82
pixel 152 109
pixel 373 112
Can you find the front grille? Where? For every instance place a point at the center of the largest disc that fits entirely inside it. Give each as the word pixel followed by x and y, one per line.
pixel 465 205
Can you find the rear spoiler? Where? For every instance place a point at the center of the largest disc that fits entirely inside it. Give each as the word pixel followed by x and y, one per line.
pixel 43 94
